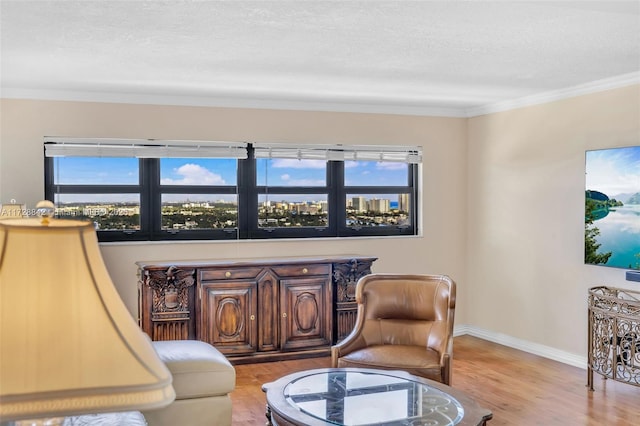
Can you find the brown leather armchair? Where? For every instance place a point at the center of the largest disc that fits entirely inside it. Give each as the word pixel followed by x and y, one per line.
pixel 404 322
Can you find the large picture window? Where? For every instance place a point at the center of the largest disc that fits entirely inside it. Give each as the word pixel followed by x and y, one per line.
pixel 165 190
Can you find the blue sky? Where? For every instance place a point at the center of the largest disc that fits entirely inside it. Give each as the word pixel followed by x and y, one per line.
pixel 89 170
pixel 198 171
pixel 613 171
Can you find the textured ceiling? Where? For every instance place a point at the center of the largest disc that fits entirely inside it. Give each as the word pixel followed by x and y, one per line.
pixel 392 56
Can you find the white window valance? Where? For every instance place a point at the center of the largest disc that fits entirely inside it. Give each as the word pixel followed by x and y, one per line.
pixel 156 148
pixel 395 153
pixel 142 148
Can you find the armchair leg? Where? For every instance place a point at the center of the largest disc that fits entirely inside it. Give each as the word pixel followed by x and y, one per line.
pixel 446 371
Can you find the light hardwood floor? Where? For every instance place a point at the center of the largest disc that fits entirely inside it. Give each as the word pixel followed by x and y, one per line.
pixel 519 388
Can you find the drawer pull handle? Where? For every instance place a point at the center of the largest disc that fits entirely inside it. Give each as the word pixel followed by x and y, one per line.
pixel 227 274
pixel 305 270
pixel 252 317
pixel 284 315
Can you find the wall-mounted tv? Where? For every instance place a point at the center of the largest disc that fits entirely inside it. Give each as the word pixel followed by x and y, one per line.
pixel 612 208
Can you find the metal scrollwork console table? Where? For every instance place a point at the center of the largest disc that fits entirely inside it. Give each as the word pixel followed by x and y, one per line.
pixel 614 335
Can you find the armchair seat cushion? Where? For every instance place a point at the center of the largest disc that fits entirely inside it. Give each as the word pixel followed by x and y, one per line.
pixel 416 360
pixel 202 379
pixel 198 369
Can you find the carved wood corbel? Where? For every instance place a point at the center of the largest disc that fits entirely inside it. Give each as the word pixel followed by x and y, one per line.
pixel 346 276
pixel 171 310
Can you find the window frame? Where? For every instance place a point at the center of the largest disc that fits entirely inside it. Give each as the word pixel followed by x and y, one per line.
pixel 247 191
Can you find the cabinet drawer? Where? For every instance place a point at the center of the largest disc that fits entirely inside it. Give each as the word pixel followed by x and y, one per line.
pixel 229 273
pixel 301 270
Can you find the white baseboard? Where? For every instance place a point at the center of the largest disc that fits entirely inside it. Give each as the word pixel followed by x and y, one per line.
pixel 523 345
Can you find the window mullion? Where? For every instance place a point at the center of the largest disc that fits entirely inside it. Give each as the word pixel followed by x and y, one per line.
pixel 49 188
pixel 336 197
pixel 247 196
pixel 150 197
pixel 413 197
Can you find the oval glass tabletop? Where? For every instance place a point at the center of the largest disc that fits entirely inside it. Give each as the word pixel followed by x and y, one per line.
pixel 360 398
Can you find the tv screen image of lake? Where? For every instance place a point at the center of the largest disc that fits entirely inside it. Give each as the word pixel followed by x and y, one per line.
pixel 620 234
pixel 612 207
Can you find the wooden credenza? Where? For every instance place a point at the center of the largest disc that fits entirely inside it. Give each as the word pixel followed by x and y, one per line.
pixel 252 309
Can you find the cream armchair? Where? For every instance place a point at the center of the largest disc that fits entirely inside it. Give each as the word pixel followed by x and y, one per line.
pixel 404 322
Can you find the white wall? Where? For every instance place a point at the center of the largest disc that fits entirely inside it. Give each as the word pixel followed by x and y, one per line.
pixel 526 276
pixel 441 249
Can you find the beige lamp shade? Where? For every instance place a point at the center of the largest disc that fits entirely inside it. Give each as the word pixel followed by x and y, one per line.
pixel 68 344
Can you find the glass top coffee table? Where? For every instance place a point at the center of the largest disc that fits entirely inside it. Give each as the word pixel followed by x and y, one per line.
pixel 359 397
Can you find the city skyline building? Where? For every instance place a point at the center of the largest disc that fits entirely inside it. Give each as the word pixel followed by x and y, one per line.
pixel 359 204
pixel 380 205
pixel 403 202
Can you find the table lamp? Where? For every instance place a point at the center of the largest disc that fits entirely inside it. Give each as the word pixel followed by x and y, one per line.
pixel 68 344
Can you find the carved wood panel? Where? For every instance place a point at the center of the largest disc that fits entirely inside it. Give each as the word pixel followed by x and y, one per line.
pixel 170 302
pixel 228 318
pixel 345 277
pixel 305 316
pixel 268 312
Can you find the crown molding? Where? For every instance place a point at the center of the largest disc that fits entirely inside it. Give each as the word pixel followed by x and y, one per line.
pixel 556 95
pixel 321 105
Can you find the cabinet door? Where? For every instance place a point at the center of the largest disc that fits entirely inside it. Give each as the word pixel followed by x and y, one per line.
pixel 306 313
pixel 228 319
pixel 268 312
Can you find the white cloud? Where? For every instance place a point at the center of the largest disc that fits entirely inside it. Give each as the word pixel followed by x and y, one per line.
pixel 194 174
pixel 285 176
pixel 290 163
pixel 380 165
pixel 389 165
pixel 612 173
pixel 626 220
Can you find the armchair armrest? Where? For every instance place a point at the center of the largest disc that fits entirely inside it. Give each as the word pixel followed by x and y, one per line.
pixel 352 342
